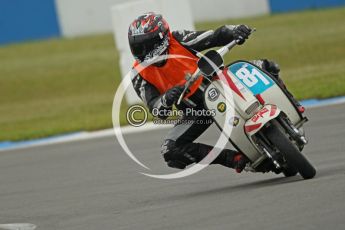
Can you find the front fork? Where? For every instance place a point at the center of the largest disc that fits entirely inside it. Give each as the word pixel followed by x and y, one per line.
pixel 269 151
pixel 295 134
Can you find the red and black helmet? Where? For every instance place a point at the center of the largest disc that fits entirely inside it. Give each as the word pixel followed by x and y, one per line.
pixel 148 36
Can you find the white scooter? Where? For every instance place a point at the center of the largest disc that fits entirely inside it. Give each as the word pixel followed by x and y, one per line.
pixel 266 125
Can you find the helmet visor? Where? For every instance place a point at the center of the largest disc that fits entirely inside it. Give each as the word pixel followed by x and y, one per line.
pixel 148 49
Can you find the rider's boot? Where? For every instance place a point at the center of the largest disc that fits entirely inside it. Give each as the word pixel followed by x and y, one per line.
pixel 274 69
pixel 232 159
pixel 227 157
pixel 183 155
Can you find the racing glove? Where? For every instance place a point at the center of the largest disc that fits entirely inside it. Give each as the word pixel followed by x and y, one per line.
pixel 172 95
pixel 241 33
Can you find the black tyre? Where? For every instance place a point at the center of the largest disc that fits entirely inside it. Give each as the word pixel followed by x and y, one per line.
pixel 293 156
pixel 290 171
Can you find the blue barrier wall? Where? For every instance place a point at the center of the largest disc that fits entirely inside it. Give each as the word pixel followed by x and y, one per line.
pixel 293 5
pixel 22 20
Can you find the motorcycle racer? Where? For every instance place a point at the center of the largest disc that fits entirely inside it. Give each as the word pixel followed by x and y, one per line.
pixel 159 84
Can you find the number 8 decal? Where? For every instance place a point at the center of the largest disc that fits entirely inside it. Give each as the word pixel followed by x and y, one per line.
pixel 247 78
pixel 251 78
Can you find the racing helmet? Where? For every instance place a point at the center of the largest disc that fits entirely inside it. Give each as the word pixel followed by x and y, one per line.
pixel 148 36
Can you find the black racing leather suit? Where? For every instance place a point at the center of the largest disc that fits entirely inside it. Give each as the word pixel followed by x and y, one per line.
pixel 178 148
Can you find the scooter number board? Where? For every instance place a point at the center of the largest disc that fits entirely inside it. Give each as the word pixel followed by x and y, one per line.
pixel 253 78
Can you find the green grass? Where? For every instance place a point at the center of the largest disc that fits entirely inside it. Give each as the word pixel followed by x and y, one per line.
pixel 57 86
pixel 66 85
pixel 309 46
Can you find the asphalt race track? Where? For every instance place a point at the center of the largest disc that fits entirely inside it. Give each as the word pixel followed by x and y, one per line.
pixel 95 185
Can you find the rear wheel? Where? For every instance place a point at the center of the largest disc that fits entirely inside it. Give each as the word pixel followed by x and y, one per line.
pixel 295 160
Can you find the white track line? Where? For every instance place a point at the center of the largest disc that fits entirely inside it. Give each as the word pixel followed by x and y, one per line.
pixel 110 132
pixel 85 136
pixel 18 226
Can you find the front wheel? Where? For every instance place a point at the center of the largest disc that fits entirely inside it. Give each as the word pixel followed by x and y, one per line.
pixel 294 158
pixel 290 171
